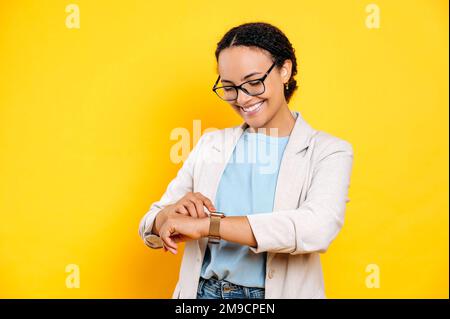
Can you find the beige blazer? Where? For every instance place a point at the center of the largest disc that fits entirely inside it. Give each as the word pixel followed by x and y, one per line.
pixel 309 206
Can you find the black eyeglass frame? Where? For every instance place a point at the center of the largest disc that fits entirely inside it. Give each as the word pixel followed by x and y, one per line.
pixel 239 87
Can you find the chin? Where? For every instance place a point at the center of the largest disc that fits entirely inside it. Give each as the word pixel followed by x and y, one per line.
pixel 256 121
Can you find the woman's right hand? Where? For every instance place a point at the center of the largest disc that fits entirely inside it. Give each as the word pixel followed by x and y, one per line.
pixel 192 204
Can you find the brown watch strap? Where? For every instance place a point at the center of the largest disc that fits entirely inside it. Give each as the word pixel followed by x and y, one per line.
pixel 214 227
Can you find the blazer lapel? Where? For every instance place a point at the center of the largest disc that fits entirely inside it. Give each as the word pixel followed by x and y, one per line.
pixel 293 168
pixel 291 174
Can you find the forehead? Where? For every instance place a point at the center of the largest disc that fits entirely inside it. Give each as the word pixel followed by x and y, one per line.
pixel 238 61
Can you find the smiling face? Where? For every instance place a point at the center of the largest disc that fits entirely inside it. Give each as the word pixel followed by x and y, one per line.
pixel 234 64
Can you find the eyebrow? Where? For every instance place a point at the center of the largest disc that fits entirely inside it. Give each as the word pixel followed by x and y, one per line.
pixel 245 77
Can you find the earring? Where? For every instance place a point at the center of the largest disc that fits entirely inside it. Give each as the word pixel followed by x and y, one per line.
pixel 286 85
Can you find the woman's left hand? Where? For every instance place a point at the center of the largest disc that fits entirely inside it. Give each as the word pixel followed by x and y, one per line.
pixel 178 228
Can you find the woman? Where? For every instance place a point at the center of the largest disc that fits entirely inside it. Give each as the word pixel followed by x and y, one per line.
pixel 282 207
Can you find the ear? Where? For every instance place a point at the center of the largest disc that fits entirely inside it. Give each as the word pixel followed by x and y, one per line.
pixel 286 70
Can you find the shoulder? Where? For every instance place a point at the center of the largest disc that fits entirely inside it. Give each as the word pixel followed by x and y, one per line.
pixel 324 144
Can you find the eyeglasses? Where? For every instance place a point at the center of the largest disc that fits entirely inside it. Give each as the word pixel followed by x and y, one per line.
pixel 252 87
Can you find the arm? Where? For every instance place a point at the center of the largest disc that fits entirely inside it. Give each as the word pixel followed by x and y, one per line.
pixel 178 228
pixel 234 229
pixel 310 228
pixel 314 225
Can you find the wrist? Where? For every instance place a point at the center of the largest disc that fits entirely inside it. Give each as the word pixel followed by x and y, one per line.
pixel 214 229
pixel 204 226
pixel 161 217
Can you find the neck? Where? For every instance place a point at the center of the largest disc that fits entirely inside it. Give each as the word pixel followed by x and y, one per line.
pixel 283 121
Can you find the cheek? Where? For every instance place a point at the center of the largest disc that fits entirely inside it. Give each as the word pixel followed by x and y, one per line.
pixel 270 94
pixel 271 91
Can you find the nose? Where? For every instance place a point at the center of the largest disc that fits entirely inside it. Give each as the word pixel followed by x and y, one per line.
pixel 243 98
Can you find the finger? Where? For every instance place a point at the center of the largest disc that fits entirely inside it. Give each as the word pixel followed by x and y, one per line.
pixel 199 207
pixel 166 246
pixel 181 210
pixel 173 251
pixel 171 243
pixel 191 208
pixel 165 236
pixel 207 202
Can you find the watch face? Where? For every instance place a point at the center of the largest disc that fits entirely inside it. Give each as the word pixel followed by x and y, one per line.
pixel 218 214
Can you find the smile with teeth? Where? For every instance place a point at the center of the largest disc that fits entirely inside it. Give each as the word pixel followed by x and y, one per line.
pixel 253 108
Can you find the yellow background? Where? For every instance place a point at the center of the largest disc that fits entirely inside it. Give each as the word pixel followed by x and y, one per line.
pixel 86 115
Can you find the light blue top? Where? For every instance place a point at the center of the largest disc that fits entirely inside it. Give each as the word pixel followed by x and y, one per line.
pixel 247 186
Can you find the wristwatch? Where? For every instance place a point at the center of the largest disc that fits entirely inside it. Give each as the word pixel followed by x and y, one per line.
pixel 214 227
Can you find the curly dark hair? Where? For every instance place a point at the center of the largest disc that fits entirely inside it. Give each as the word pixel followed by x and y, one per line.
pixel 265 36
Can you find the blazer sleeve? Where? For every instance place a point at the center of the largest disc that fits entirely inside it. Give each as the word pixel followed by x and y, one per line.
pixel 315 224
pixel 176 189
